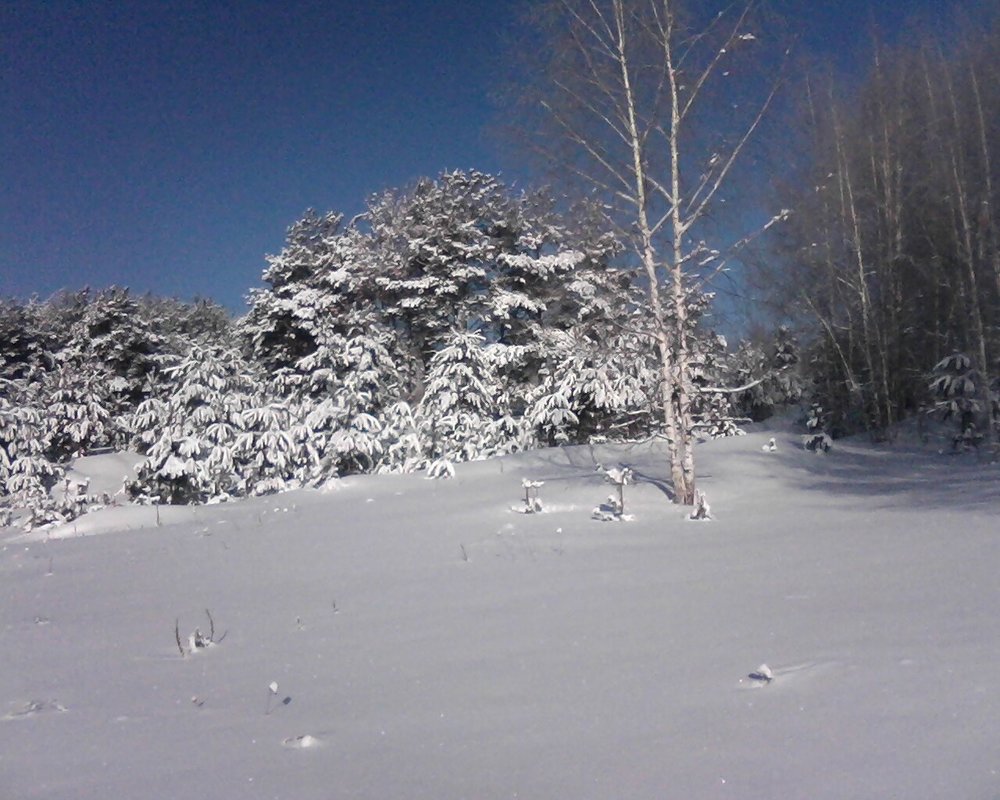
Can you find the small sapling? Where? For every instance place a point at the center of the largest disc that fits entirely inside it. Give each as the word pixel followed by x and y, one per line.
pixel 614 507
pixel 702 510
pixel 532 502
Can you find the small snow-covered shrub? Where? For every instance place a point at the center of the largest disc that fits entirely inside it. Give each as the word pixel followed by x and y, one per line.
pixel 817 442
pixel 957 390
pixel 702 510
pixel 614 507
pixel 532 502
pixel 441 468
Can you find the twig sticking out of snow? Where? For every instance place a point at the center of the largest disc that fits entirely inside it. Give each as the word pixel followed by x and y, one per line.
pixel 197 640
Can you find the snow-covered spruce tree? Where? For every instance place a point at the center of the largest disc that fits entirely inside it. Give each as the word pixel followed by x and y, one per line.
pixel 79 400
pixel 26 473
pixel 458 415
pixel 358 373
pixel 592 388
pixel 399 440
pixel 957 389
pixel 273 451
pixel 189 436
pixel 770 374
pixel 310 282
pixel 436 246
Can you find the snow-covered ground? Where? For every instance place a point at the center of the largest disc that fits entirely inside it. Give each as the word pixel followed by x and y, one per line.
pixel 403 638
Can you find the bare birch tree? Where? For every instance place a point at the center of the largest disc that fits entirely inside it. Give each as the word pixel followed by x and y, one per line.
pixel 893 256
pixel 644 106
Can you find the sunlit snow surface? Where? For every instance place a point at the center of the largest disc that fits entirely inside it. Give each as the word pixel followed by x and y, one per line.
pixel 428 642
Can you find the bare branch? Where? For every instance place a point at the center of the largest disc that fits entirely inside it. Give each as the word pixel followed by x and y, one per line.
pixel 693 216
pixel 710 68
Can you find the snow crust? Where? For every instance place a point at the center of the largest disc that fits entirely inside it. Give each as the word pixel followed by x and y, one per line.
pixel 432 643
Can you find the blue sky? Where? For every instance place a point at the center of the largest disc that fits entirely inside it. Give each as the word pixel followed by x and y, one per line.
pixel 166 146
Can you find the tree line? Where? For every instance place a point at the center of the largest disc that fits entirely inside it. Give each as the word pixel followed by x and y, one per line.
pixel 456 318
pixel 453 320
pixel 890 264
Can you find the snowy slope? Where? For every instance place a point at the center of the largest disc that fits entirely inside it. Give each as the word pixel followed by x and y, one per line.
pixel 431 643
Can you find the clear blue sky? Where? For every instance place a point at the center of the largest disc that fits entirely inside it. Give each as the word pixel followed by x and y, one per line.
pixel 166 146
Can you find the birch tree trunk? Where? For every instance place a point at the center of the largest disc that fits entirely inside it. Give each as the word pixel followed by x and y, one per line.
pixel 619 83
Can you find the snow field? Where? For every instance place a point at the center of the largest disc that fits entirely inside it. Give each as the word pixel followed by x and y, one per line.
pixel 431 643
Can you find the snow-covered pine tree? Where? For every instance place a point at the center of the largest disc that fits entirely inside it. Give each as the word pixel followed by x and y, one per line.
pixel 769 373
pixel 268 450
pixel 459 253
pixel 358 381
pixel 114 332
pixel 457 416
pixel 318 329
pixel 78 397
pixel 714 412
pixel 26 473
pixel 400 441
pixel 593 388
pixel 587 372
pixel 23 345
pixel 438 241
pixel 310 282
pixel 181 324
pixel 436 247
pixel 190 435
pixel 956 389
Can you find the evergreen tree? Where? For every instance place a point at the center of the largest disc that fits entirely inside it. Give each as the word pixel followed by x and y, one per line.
pixel 272 451
pixel 26 473
pixel 311 281
pixel 457 416
pixel 400 441
pixel 190 436
pixel 78 401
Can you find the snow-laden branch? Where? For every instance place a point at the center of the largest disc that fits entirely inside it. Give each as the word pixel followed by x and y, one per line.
pixel 730 390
